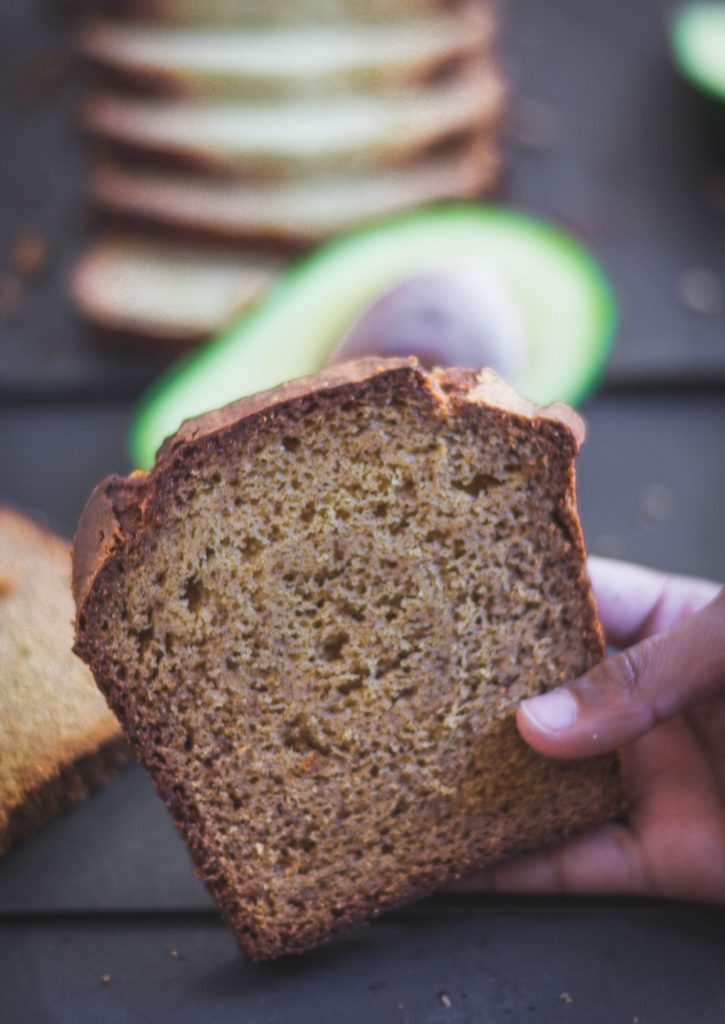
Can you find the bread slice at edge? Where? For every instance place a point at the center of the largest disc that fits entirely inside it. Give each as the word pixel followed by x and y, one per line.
pixel 254 62
pixel 117 512
pixel 168 291
pixel 53 778
pixel 70 785
pixel 233 13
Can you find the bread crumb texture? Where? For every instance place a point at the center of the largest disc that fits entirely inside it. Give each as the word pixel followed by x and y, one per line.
pixel 58 739
pixel 315 618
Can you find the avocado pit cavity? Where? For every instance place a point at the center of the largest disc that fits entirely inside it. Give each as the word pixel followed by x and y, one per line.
pixel 458 316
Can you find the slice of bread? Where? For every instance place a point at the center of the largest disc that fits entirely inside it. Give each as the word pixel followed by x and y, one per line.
pixel 265 12
pixel 297 211
pixel 278 60
pixel 167 290
pixel 58 739
pixel 342 131
pixel 315 618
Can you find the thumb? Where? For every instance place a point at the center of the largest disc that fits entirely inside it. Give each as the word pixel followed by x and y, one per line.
pixel 623 697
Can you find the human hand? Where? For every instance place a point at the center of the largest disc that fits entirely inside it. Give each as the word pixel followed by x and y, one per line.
pixel 662 699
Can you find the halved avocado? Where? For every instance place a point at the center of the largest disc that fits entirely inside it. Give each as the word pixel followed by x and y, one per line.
pixel 698 44
pixel 566 305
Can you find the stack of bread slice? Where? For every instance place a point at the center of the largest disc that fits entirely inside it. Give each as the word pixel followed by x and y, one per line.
pixel 231 133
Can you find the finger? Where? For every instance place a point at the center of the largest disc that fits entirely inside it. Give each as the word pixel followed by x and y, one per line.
pixel 604 861
pixel 635 602
pixel 626 695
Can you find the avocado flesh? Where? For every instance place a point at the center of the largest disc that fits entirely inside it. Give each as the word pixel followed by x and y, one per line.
pixel 698 40
pixel 566 305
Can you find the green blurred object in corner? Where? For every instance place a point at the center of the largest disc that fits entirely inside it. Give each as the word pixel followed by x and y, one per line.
pixel 698 45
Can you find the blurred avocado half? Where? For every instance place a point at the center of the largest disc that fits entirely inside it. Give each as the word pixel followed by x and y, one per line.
pixel 564 307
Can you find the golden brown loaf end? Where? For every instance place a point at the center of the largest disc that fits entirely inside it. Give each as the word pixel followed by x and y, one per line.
pixel 58 739
pixel 315 618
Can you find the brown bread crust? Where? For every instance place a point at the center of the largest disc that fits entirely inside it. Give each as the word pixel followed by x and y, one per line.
pixel 123 513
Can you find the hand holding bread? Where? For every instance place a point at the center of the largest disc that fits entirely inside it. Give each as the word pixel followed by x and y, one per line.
pixel 663 696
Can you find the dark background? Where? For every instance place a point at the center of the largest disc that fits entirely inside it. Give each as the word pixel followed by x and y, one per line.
pixel 606 140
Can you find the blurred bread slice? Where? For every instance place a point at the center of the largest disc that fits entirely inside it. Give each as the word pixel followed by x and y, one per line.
pixel 58 738
pixel 266 12
pixel 294 211
pixel 280 60
pixel 287 136
pixel 166 290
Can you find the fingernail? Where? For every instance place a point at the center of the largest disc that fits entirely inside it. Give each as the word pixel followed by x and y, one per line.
pixel 551 712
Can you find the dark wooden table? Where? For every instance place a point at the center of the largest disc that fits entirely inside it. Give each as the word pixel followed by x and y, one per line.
pixel 606 141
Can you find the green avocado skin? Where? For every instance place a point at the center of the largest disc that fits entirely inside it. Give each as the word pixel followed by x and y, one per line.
pixel 562 293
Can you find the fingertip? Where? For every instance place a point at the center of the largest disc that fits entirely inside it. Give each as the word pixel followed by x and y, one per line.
pixel 551 713
pixel 531 734
pixel 555 725
pixel 550 723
